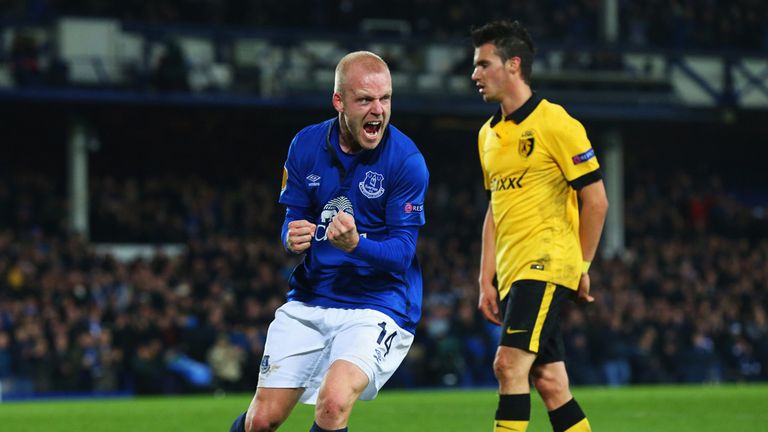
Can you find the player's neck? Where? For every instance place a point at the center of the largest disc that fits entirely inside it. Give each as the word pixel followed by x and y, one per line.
pixel 347 142
pixel 516 97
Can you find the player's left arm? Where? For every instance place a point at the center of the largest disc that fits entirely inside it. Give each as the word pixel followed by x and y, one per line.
pixel 394 254
pixel 594 207
pixel 404 216
pixel 577 160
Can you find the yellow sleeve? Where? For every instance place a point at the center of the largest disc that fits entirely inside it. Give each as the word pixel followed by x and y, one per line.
pixel 572 150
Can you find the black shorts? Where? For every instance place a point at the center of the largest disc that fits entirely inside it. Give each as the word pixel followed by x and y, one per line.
pixel 532 319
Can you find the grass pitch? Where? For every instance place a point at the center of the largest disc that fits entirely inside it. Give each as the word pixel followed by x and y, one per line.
pixel 631 409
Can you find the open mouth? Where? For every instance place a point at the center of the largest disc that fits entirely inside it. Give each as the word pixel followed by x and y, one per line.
pixel 372 128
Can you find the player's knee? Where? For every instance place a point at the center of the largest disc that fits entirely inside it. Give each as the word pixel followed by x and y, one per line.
pixel 332 407
pixel 505 369
pixel 255 423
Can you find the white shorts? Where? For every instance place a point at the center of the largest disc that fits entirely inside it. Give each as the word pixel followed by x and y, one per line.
pixel 303 341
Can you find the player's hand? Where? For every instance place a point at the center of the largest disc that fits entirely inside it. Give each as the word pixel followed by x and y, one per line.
pixel 342 232
pixel 487 303
pixel 299 237
pixel 582 294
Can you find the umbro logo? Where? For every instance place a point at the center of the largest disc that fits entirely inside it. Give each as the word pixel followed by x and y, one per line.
pixel 313 180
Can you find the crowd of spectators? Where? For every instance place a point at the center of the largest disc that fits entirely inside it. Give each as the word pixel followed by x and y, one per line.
pixel 717 24
pixel 686 301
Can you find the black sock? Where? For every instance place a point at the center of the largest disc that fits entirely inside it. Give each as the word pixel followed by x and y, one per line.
pixel 566 416
pixel 316 428
pixel 514 407
pixel 513 412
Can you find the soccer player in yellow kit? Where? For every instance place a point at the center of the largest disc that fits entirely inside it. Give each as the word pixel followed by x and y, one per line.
pixel 537 164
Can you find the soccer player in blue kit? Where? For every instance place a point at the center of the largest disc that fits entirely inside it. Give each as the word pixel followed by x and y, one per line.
pixel 354 190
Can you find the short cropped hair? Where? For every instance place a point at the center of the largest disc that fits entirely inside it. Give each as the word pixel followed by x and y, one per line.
pixel 367 59
pixel 511 40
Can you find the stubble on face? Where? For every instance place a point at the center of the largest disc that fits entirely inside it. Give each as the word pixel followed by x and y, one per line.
pixel 489 72
pixel 366 101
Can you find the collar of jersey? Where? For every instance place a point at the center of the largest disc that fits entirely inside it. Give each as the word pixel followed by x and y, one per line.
pixel 519 114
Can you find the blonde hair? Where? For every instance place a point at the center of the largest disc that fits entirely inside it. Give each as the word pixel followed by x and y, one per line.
pixel 371 63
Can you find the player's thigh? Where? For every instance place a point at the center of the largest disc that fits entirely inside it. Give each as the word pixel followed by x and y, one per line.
pixel 374 343
pixel 295 347
pixel 513 362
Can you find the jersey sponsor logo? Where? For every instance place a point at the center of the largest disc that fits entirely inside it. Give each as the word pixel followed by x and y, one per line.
pixel 506 183
pixel 515 331
pixel 373 185
pixel 331 209
pixel 413 208
pixel 583 157
pixel 526 144
pixel 313 180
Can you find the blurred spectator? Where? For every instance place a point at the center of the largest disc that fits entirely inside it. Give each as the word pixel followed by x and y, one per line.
pixel 6 356
pixel 171 74
pixel 57 73
pixel 686 303
pixel 25 61
pixel 226 361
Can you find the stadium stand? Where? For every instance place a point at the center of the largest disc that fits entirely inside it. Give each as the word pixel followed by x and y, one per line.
pixel 684 302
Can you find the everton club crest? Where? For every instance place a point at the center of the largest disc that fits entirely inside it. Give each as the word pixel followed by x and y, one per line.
pixel 373 185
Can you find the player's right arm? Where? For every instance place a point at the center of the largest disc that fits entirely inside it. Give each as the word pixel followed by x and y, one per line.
pixel 297 230
pixel 487 302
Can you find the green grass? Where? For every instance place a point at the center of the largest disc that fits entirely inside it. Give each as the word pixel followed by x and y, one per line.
pixel 632 409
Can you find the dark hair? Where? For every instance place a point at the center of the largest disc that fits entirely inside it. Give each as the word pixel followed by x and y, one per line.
pixel 511 40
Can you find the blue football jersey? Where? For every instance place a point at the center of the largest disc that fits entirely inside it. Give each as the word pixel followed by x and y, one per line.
pixel 383 189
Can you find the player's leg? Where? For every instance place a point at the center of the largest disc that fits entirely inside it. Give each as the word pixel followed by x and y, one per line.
pixel 511 367
pixel 367 348
pixel 530 317
pixel 514 356
pixel 565 414
pixel 551 381
pixel 294 348
pixel 341 387
pixel 269 408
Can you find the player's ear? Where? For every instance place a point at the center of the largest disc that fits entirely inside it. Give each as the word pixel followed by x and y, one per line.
pixel 338 104
pixel 512 64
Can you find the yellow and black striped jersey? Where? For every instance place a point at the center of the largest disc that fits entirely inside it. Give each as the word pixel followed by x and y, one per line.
pixel 533 162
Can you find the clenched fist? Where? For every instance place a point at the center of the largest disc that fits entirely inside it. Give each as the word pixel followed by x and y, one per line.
pixel 299 236
pixel 342 232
